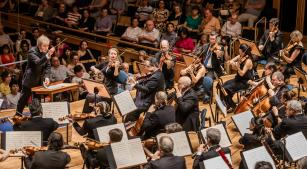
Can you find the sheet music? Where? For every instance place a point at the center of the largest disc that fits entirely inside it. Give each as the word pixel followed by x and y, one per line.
pixel 19 139
pixel 296 152
pixel 56 110
pixel 224 142
pixel 90 85
pixel 124 102
pixel 57 86
pixel 242 121
pixel 252 45
pixel 252 156
pixel 103 132
pixel 221 105
pixel 129 153
pixel 217 162
pixel 1 101
pixel 181 143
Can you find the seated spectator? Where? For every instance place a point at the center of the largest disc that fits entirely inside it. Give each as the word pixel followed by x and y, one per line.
pixel 150 36
pixel 5 38
pixel 85 54
pixel 126 67
pixel 23 54
pixel 7 56
pixel 11 100
pixel 87 22
pixel 58 72
pixel 184 44
pixel 75 61
pixel 60 47
pixel 22 36
pixel 79 75
pixel 232 27
pixel 177 17
pixel 193 22
pixel 252 12
pixel 118 7
pixel 131 34
pixel 66 58
pixel 44 11
pixel 143 12
pixel 35 35
pixel 60 15
pixel 200 47
pixel 96 6
pixel 160 16
pixel 190 4
pixel 103 23
pixel 73 17
pixel 170 35
pixel 210 23
pixel 5 84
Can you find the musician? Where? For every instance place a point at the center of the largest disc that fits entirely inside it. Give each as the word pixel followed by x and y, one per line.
pixel 146 88
pixel 293 56
pixel 196 71
pixel 214 149
pixel 103 118
pixel 271 41
pixel 37 122
pixel 269 69
pixel 302 163
pixel 244 65
pixel 187 105
pixel 164 157
pixel 279 86
pixel 3 155
pixel 79 75
pixel 51 158
pixel 157 116
pixel 167 63
pixel 110 70
pixel 252 140
pixel 263 165
pixel 38 67
pixel 212 57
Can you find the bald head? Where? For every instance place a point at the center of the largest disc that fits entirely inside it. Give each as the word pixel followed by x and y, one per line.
pixel 166 144
pixel 164 45
pixel 185 81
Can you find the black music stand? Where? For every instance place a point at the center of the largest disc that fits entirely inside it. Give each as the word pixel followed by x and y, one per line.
pixel 302 80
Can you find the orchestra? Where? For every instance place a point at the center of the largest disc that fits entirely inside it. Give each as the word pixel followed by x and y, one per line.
pixel 146 103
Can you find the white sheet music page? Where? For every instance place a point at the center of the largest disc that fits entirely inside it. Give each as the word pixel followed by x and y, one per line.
pixel 225 142
pixel 181 143
pixel 242 121
pixel 103 132
pixel 19 139
pixel 124 102
pixel 221 105
pixel 257 154
pixel 296 145
pixel 56 110
pixel 129 153
pixel 1 101
pixel 217 162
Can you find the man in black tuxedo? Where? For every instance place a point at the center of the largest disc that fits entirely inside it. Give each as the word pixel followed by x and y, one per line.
pixel 164 157
pixel 38 70
pixel 103 118
pixel 146 88
pixel 157 116
pixel 37 122
pixel 214 149
pixel 187 105
pixel 52 158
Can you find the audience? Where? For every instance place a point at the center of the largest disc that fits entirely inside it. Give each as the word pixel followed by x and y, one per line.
pixel 58 72
pixel 5 84
pixel 193 21
pixel 44 11
pixel 21 37
pixel 150 36
pixel 7 56
pixel 103 23
pixel 232 27
pixel 170 35
pixel 253 9
pixel 132 33
pixel 210 23
pixel 184 44
pixel 177 17
pixel 87 22
pixel 160 16
pixel 73 17
pixel 11 100
pixel 143 12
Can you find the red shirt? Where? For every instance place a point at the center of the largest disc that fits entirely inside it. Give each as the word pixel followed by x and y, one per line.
pixel 7 58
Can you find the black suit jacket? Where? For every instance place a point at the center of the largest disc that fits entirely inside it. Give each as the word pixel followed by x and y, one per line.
pixel 105 158
pixel 207 155
pixel 89 23
pixel 290 126
pixel 46 125
pixel 155 122
pixel 38 68
pixel 146 89
pixel 187 110
pixel 49 159
pixel 90 124
pixel 168 161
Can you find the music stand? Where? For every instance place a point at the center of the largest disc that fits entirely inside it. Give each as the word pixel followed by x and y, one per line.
pixel 219 107
pixel 302 81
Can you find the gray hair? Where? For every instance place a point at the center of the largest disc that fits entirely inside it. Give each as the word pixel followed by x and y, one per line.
pixel 166 144
pixel 142 52
pixel 42 40
pixel 214 135
pixel 161 96
pixel 185 80
pixel 296 33
pixel 279 75
pixel 295 105
pixel 164 42
pixel 173 128
pixel 302 163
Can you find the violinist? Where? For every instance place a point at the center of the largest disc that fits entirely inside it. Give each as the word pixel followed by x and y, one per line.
pixel 211 149
pixel 269 69
pixel 146 88
pixel 37 122
pixel 279 86
pixel 79 75
pixel 167 63
pixel 271 41
pixel 103 118
pixel 38 66
pixel 244 65
pixel 51 158
pixel 293 54
pixel 157 116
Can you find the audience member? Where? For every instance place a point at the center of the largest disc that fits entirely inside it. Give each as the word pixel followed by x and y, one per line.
pixel 232 27
pixel 85 54
pixel 60 15
pixel 87 22
pixel 160 16
pixel 73 17
pixel 177 17
pixel 184 44
pixel 170 35
pixel 118 7
pixel 66 57
pixel 11 100
pixel 252 12
pixel 35 35
pixel 5 38
pixel 131 34
pixel 22 36
pixel 7 56
pixel 44 11
pixel 210 23
pixel 193 22
pixel 5 84
pixel 150 36
pixel 58 72
pixel 103 23
pixel 144 12
pixel 60 46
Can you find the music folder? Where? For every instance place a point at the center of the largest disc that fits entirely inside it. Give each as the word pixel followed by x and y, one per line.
pixel 296 146
pixel 124 102
pixel 11 140
pixel 216 163
pixel 242 121
pixel 252 45
pixel 251 157
pixel 225 140
pixel 91 84
pixel 56 110
pixel 102 133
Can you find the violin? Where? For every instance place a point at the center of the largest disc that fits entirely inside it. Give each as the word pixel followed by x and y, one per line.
pixel 94 145
pixel 15 120
pixel 29 150
pixel 78 117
